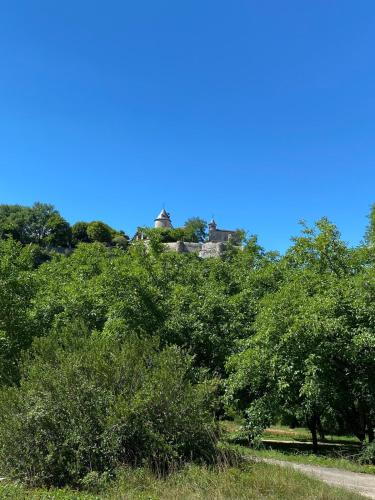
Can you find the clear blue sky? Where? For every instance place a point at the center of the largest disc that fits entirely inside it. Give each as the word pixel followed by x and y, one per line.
pixel 261 112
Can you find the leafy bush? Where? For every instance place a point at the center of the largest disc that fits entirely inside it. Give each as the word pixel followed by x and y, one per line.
pixel 120 241
pixel 87 403
pixel 367 455
pixel 168 234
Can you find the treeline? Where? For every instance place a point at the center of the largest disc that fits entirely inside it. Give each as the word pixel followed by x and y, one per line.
pixel 194 230
pixel 43 225
pixel 130 355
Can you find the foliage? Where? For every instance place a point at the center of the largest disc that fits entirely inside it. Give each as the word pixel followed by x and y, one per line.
pixel 195 229
pixel 162 234
pixel 367 455
pixel 120 241
pixel 279 337
pixel 40 224
pixel 335 459
pixel 233 482
pixel 17 287
pixel 313 343
pixel 370 231
pixel 226 481
pixel 59 232
pixel 99 231
pixel 79 233
pixel 89 402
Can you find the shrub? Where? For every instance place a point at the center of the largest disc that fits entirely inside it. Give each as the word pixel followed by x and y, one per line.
pixel 89 403
pixel 367 455
pixel 120 241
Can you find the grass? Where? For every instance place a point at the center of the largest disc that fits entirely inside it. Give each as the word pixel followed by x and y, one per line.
pixel 16 491
pixel 282 432
pixel 258 481
pixel 338 462
pixel 294 445
pixel 245 481
pixel 238 480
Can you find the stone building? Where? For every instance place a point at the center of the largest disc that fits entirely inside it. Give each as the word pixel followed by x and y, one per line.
pixel 214 247
pixel 215 235
pixel 163 219
pixel 221 235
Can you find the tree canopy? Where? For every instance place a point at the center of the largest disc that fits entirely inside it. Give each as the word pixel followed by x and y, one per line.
pixel 123 326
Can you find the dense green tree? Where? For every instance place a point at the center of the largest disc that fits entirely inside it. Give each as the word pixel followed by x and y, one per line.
pixel 13 221
pixel 195 229
pixel 370 231
pixel 17 288
pixel 161 234
pixel 59 231
pixel 301 360
pixel 40 224
pixel 293 334
pixel 99 231
pixel 79 233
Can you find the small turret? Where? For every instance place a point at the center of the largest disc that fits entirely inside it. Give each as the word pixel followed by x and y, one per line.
pixel 163 219
pixel 212 226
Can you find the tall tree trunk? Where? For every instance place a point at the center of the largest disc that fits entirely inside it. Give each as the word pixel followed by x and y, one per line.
pixel 313 430
pixel 314 440
pixel 320 430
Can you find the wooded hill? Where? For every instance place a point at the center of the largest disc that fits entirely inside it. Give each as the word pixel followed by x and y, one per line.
pixel 117 355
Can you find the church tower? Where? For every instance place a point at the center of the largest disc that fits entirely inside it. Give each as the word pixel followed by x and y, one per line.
pixel 163 219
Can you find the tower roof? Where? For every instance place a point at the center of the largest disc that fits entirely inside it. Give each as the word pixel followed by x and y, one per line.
pixel 163 215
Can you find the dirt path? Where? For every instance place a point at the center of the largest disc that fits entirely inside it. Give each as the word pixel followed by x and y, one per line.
pixel 359 482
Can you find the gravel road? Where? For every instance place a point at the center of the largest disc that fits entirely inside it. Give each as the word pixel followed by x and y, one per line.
pixel 359 482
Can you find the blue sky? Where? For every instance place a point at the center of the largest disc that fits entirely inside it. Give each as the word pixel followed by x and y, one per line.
pixel 259 112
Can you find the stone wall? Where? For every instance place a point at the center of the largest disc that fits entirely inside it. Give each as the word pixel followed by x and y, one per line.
pixel 204 250
pixel 212 249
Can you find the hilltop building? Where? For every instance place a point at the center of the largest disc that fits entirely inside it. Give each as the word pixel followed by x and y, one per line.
pixel 213 247
pixel 220 235
pixel 163 219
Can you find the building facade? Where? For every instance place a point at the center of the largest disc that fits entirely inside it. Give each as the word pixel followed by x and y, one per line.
pixel 216 235
pixel 215 245
pixel 163 219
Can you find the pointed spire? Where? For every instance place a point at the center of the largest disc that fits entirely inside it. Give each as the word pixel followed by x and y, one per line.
pixel 163 219
pixel 163 215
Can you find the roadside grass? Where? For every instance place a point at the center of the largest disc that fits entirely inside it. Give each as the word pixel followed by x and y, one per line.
pixel 245 481
pixel 338 462
pixel 249 481
pixel 16 491
pixel 294 445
